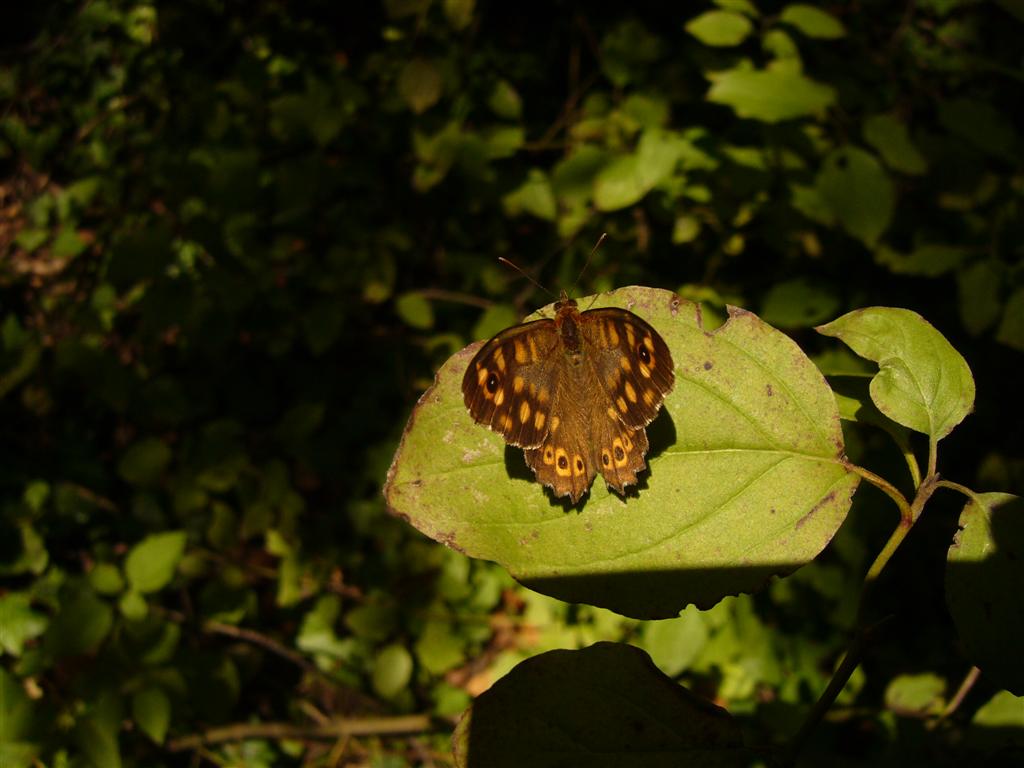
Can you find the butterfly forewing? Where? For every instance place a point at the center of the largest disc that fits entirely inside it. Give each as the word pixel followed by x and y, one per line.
pixel 510 383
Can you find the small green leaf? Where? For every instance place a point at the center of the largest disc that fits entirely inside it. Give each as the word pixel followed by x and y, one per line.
pixel 18 622
pixel 35 495
pixel 68 244
pixel 18 723
pixel 978 289
pixel 317 632
pixel 740 6
pixel 813 21
pixel 106 579
pixel 98 742
pixel 459 12
pixel 495 318
pixel 859 193
pixel 151 563
pixel 771 95
pixel 605 705
pixel 133 605
pixel 798 304
pixel 419 85
pixel 1003 711
pixel 31 239
pixel 626 179
pixel 375 619
pixel 505 101
pixel 415 310
pixel 720 28
pixel 144 462
pixel 985 586
pixel 533 196
pixel 982 125
pixel 151 710
pixel 929 260
pixel 81 624
pixel 915 694
pixel 392 670
pixel 889 137
pixel 675 643
pixel 438 649
pixel 618 185
pixel 1011 328
pixel 922 383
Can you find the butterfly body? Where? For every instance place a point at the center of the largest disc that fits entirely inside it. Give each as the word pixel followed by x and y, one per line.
pixel 575 392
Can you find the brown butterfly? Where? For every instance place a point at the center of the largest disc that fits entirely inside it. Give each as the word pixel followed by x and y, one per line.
pixel 575 392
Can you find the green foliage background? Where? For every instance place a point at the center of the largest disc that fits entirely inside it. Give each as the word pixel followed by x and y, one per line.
pixel 238 239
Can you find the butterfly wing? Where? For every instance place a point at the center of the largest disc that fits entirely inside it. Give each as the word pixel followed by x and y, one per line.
pixel 631 362
pixel 631 365
pixel 510 385
pixel 565 460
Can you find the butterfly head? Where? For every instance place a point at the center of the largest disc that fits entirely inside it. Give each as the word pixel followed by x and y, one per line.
pixel 567 321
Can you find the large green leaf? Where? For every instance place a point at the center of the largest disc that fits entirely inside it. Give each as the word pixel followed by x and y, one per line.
pixel 985 586
pixel 922 383
pixel 606 706
pixel 746 476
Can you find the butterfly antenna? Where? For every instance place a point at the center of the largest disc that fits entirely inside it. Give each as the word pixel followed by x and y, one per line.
pixel 586 264
pixel 514 266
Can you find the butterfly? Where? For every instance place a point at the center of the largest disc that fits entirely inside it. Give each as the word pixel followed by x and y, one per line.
pixel 575 392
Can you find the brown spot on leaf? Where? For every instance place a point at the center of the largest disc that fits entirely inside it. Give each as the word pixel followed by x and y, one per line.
pixel 829 498
pixel 708 365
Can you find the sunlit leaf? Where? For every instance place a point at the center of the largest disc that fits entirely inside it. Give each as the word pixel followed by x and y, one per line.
pixel 922 383
pixel 746 478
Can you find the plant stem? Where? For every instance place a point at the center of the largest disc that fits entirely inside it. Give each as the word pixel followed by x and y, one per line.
pixel 962 489
pixel 885 486
pixel 840 677
pixel 909 513
pixel 337 729
pixel 969 680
